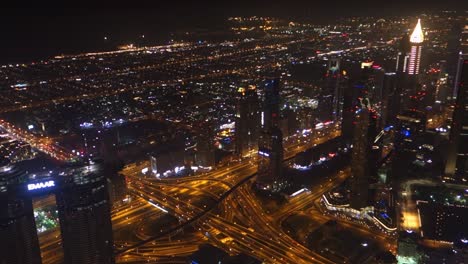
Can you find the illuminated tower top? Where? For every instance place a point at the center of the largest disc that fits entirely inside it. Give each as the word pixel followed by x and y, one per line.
pixel 417 36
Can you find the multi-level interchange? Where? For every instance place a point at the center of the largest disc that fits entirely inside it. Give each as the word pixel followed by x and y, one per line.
pixel 286 142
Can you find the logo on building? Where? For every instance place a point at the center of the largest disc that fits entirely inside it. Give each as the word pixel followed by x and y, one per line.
pixel 41 185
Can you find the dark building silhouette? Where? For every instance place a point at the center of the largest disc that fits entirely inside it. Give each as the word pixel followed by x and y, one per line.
pixel 84 212
pixel 457 156
pixel 247 120
pixel 271 105
pixel 270 151
pixel 205 148
pixel 390 99
pixel 270 145
pixel 83 207
pixel 18 234
pixel 362 162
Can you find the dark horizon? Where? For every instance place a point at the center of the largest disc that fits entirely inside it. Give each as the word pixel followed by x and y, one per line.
pixel 30 34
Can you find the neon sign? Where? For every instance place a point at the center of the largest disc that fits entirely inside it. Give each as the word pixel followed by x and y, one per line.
pixel 40 185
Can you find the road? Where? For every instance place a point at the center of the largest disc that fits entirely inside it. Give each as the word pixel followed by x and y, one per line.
pixel 230 226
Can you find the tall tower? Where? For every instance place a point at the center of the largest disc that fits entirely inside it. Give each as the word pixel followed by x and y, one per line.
pixel 361 158
pixel 335 81
pixel 416 40
pixel 270 145
pixel 19 243
pixel 457 158
pixel 403 54
pixel 205 154
pixel 85 221
pixel 271 107
pixel 247 120
pixel 270 151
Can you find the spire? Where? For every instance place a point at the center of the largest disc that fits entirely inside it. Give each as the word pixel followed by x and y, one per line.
pixel 417 36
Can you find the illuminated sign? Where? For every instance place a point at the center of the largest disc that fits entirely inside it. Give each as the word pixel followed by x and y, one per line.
pixel 40 185
pixel 264 153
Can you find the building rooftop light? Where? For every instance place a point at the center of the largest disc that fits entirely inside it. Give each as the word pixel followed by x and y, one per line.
pixel 417 36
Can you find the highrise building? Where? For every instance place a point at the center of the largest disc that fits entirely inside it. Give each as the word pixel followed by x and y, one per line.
pixel 270 145
pixel 331 100
pixel 205 149
pixel 403 55
pixel 83 207
pixel 271 106
pixel 84 212
pixel 416 41
pixel 457 156
pixel 18 235
pixel 362 162
pixel 247 120
pixel 391 99
pixel 270 151
pixel 410 126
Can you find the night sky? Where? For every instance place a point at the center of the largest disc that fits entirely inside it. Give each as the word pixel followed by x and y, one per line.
pixel 38 31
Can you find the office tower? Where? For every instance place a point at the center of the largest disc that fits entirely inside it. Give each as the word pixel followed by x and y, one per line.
pixel 167 159
pixel 84 212
pixel 441 91
pixel 271 106
pixel 416 40
pixel 18 235
pixel 410 126
pixel 366 85
pixel 205 149
pixel 331 99
pixel 457 156
pixel 464 40
pixel 270 145
pixel 348 113
pixel 247 120
pixel 403 54
pixel 408 136
pixel 270 154
pixel 361 158
pixel 390 99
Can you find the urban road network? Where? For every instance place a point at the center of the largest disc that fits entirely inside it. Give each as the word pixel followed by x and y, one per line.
pixel 235 222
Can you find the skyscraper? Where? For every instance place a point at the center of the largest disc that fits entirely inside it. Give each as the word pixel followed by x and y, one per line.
pixel 335 81
pixel 271 106
pixel 390 104
pixel 205 150
pixel 403 54
pixel 270 145
pixel 84 212
pixel 270 151
pixel 457 156
pixel 416 40
pixel 247 120
pixel 19 243
pixel 361 160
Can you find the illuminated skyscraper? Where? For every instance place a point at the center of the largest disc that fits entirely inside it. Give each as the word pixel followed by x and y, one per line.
pixel 247 120
pixel 457 158
pixel 19 243
pixel 416 40
pixel 85 221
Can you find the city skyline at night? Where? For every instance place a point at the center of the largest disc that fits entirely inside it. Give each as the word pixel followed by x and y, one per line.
pixel 235 133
